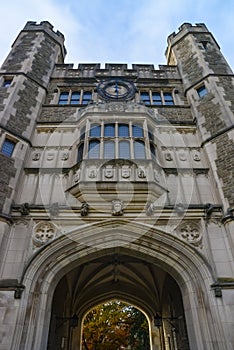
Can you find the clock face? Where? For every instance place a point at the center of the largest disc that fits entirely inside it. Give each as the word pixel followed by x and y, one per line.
pixel 116 89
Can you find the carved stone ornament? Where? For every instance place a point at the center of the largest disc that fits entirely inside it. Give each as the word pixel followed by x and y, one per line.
pixel 156 176
pixel 141 173
pixel 125 172
pixel 92 173
pixel 50 156
pixel 182 156
pixel 84 210
pixel 117 207
pixel 197 157
pixel 116 106
pixel 168 157
pixel 76 176
pixel 43 232
pixel 190 232
pixel 109 172
pixel 65 156
pixel 149 208
pixel 36 156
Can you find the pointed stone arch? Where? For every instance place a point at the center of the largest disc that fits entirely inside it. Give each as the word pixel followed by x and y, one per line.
pixel 83 244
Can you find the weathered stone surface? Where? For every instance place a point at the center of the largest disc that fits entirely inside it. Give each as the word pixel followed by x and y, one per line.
pixel 7 171
pixel 225 166
pixel 19 122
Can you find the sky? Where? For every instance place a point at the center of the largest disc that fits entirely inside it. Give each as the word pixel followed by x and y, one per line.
pixel 118 31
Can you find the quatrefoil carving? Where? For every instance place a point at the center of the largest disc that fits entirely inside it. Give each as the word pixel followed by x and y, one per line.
pixel 43 232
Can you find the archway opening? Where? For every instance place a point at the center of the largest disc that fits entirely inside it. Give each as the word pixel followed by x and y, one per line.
pixel 124 277
pixel 115 325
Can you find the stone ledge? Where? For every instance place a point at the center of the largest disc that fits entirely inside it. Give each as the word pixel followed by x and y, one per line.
pixel 12 285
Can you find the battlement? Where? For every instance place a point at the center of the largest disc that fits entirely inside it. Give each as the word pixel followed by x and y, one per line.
pixel 184 30
pixel 187 28
pixel 136 71
pixel 47 28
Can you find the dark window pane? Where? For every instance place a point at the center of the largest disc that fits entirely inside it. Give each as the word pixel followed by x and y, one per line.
pixel 75 98
pixel 109 150
pixel 94 149
pixel 63 98
pixel 7 83
pixel 123 130
pixel 80 153
pixel 87 96
pixel 151 135
pixel 157 99
pixel 145 97
pixel 109 130
pixel 137 131
pixel 8 147
pixel 168 98
pixel 82 134
pixel 95 131
pixel 139 150
pixel 124 149
pixel 202 91
pixel 152 150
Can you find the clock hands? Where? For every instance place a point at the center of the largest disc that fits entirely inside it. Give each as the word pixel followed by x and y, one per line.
pixel 117 88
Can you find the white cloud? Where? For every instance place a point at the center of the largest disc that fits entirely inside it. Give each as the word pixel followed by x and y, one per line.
pixel 118 31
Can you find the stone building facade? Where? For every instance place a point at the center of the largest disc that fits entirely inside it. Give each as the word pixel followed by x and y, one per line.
pixel 116 182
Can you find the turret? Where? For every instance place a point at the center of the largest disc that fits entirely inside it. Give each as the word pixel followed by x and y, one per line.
pixel 24 78
pixel 209 84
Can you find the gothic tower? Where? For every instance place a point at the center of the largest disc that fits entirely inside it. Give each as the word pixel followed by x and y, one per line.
pixel 208 82
pixel 116 183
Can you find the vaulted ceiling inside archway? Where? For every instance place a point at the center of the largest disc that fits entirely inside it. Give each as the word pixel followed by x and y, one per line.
pixel 113 276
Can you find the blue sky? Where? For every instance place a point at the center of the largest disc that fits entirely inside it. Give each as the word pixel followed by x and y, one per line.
pixel 118 31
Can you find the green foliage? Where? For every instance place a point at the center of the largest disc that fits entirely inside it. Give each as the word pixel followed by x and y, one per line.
pixel 115 325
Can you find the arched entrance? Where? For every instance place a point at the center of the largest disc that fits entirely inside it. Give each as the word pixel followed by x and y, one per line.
pixel 118 274
pixel 155 271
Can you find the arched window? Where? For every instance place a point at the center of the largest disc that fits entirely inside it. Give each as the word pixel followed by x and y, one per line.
pixel 139 150
pixel 109 149
pixel 94 149
pixel 123 130
pixel 124 150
